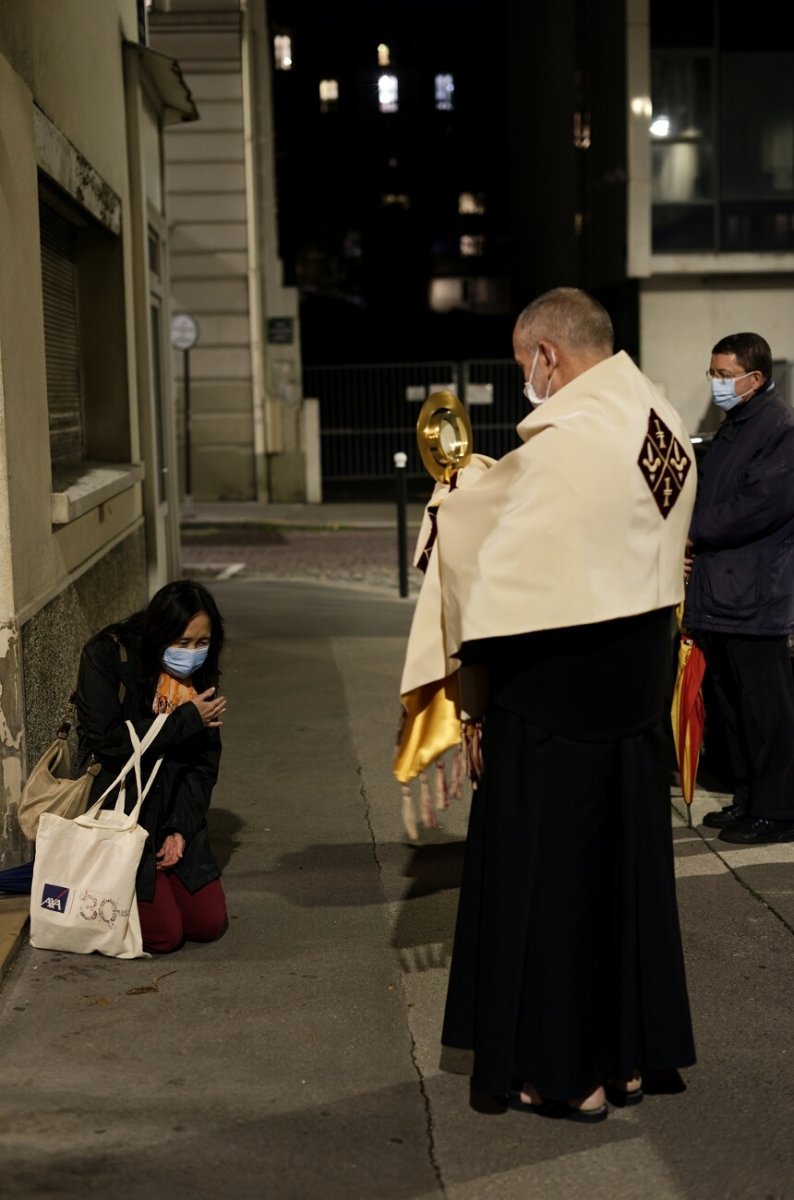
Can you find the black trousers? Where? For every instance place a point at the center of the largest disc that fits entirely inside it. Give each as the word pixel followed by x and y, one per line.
pixel 753 685
pixel 567 966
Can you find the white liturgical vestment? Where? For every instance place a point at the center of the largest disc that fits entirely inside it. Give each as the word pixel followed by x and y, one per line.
pixel 585 522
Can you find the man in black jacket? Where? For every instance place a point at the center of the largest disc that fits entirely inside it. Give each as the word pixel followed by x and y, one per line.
pixel 740 597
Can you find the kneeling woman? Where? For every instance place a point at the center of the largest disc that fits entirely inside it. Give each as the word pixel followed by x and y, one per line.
pixel 164 659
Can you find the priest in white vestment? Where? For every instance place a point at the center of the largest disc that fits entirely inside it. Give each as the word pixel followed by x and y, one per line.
pixel 556 572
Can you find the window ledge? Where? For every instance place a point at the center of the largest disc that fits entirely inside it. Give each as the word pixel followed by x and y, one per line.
pixel 78 489
pixel 757 262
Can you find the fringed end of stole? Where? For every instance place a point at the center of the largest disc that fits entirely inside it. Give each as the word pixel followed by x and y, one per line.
pixel 409 814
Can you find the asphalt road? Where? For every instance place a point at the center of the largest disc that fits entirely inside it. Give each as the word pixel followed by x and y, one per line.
pixel 359 558
pixel 299 1056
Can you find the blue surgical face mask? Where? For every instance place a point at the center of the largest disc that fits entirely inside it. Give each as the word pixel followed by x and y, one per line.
pixel 181 662
pixel 723 392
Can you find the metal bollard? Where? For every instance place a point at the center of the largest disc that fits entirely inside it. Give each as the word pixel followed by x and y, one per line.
pixel 400 463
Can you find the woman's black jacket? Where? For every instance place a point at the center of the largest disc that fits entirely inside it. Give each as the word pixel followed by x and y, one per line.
pixel 742 579
pixel 181 793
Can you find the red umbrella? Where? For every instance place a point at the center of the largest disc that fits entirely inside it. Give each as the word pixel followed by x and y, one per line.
pixel 689 715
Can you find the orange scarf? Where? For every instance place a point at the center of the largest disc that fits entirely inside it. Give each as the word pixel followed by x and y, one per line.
pixel 170 693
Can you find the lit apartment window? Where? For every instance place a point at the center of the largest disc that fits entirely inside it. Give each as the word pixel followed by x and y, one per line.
pixel 282 46
pixel 395 200
pixel 471 202
pixel 384 57
pixel 388 93
pixel 446 294
pixel 480 295
pixel 445 93
pixel 581 130
pixel 329 94
pixel 472 245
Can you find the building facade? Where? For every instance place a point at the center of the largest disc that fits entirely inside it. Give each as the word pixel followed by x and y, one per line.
pixel 658 173
pixel 393 141
pixel 244 374
pixel 88 496
pixel 711 193
pixel 445 162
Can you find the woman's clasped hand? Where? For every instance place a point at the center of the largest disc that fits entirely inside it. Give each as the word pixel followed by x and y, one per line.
pixel 211 708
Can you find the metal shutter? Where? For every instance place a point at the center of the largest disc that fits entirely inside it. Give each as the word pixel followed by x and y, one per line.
pixel 61 341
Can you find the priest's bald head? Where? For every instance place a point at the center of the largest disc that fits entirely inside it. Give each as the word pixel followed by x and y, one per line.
pixel 559 336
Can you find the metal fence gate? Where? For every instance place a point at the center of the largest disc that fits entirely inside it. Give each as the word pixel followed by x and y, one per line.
pixel 368 412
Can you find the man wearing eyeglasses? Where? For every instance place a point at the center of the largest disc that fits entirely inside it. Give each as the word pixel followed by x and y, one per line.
pixel 740 595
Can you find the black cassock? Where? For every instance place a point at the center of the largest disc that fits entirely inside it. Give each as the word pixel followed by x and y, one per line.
pixel 567 967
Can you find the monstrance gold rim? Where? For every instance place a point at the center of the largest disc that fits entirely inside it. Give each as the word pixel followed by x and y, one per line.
pixel 440 464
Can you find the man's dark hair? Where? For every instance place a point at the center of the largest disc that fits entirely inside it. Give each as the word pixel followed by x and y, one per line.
pixel 751 350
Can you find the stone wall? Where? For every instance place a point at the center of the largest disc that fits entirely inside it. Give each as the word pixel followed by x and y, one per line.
pixel 53 639
pixel 51 642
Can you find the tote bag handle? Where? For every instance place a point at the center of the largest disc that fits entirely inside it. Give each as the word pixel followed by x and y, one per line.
pixel 133 763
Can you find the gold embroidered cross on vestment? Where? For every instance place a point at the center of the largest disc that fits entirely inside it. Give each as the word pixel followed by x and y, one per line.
pixel 664 464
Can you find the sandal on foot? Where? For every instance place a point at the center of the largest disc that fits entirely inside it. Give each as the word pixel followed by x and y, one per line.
pixel 545 1108
pixel 587 1116
pixel 513 1100
pixel 623 1097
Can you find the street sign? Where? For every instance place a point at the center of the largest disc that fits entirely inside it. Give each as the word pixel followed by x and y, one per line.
pixel 280 331
pixel 184 331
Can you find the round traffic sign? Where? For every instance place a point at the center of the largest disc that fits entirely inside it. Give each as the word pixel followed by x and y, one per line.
pixel 184 331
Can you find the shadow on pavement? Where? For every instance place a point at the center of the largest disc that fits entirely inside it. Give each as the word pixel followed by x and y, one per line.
pixel 342 873
pixel 434 868
pixel 224 827
pixel 369 1144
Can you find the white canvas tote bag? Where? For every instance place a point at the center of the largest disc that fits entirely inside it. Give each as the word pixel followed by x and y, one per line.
pixel 83 893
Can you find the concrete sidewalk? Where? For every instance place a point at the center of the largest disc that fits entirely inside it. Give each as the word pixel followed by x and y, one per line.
pixel 299 1056
pixel 13 926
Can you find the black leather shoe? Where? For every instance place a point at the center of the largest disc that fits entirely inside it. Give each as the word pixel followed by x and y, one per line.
pixel 761 831
pixel 725 816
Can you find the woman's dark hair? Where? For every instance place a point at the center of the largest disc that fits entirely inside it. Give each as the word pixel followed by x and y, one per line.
pixel 162 623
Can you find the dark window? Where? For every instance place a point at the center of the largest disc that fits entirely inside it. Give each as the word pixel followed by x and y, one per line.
pixel 680 23
pixel 764 25
pixel 157 395
pixel 682 173
pixel 722 128
pixel 757 226
pixel 680 227
pixel 82 276
pixel 757 150
pixel 683 178
pixel 61 336
pixel 154 254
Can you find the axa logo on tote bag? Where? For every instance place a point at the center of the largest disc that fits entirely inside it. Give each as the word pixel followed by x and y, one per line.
pixel 83 894
pixel 57 899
